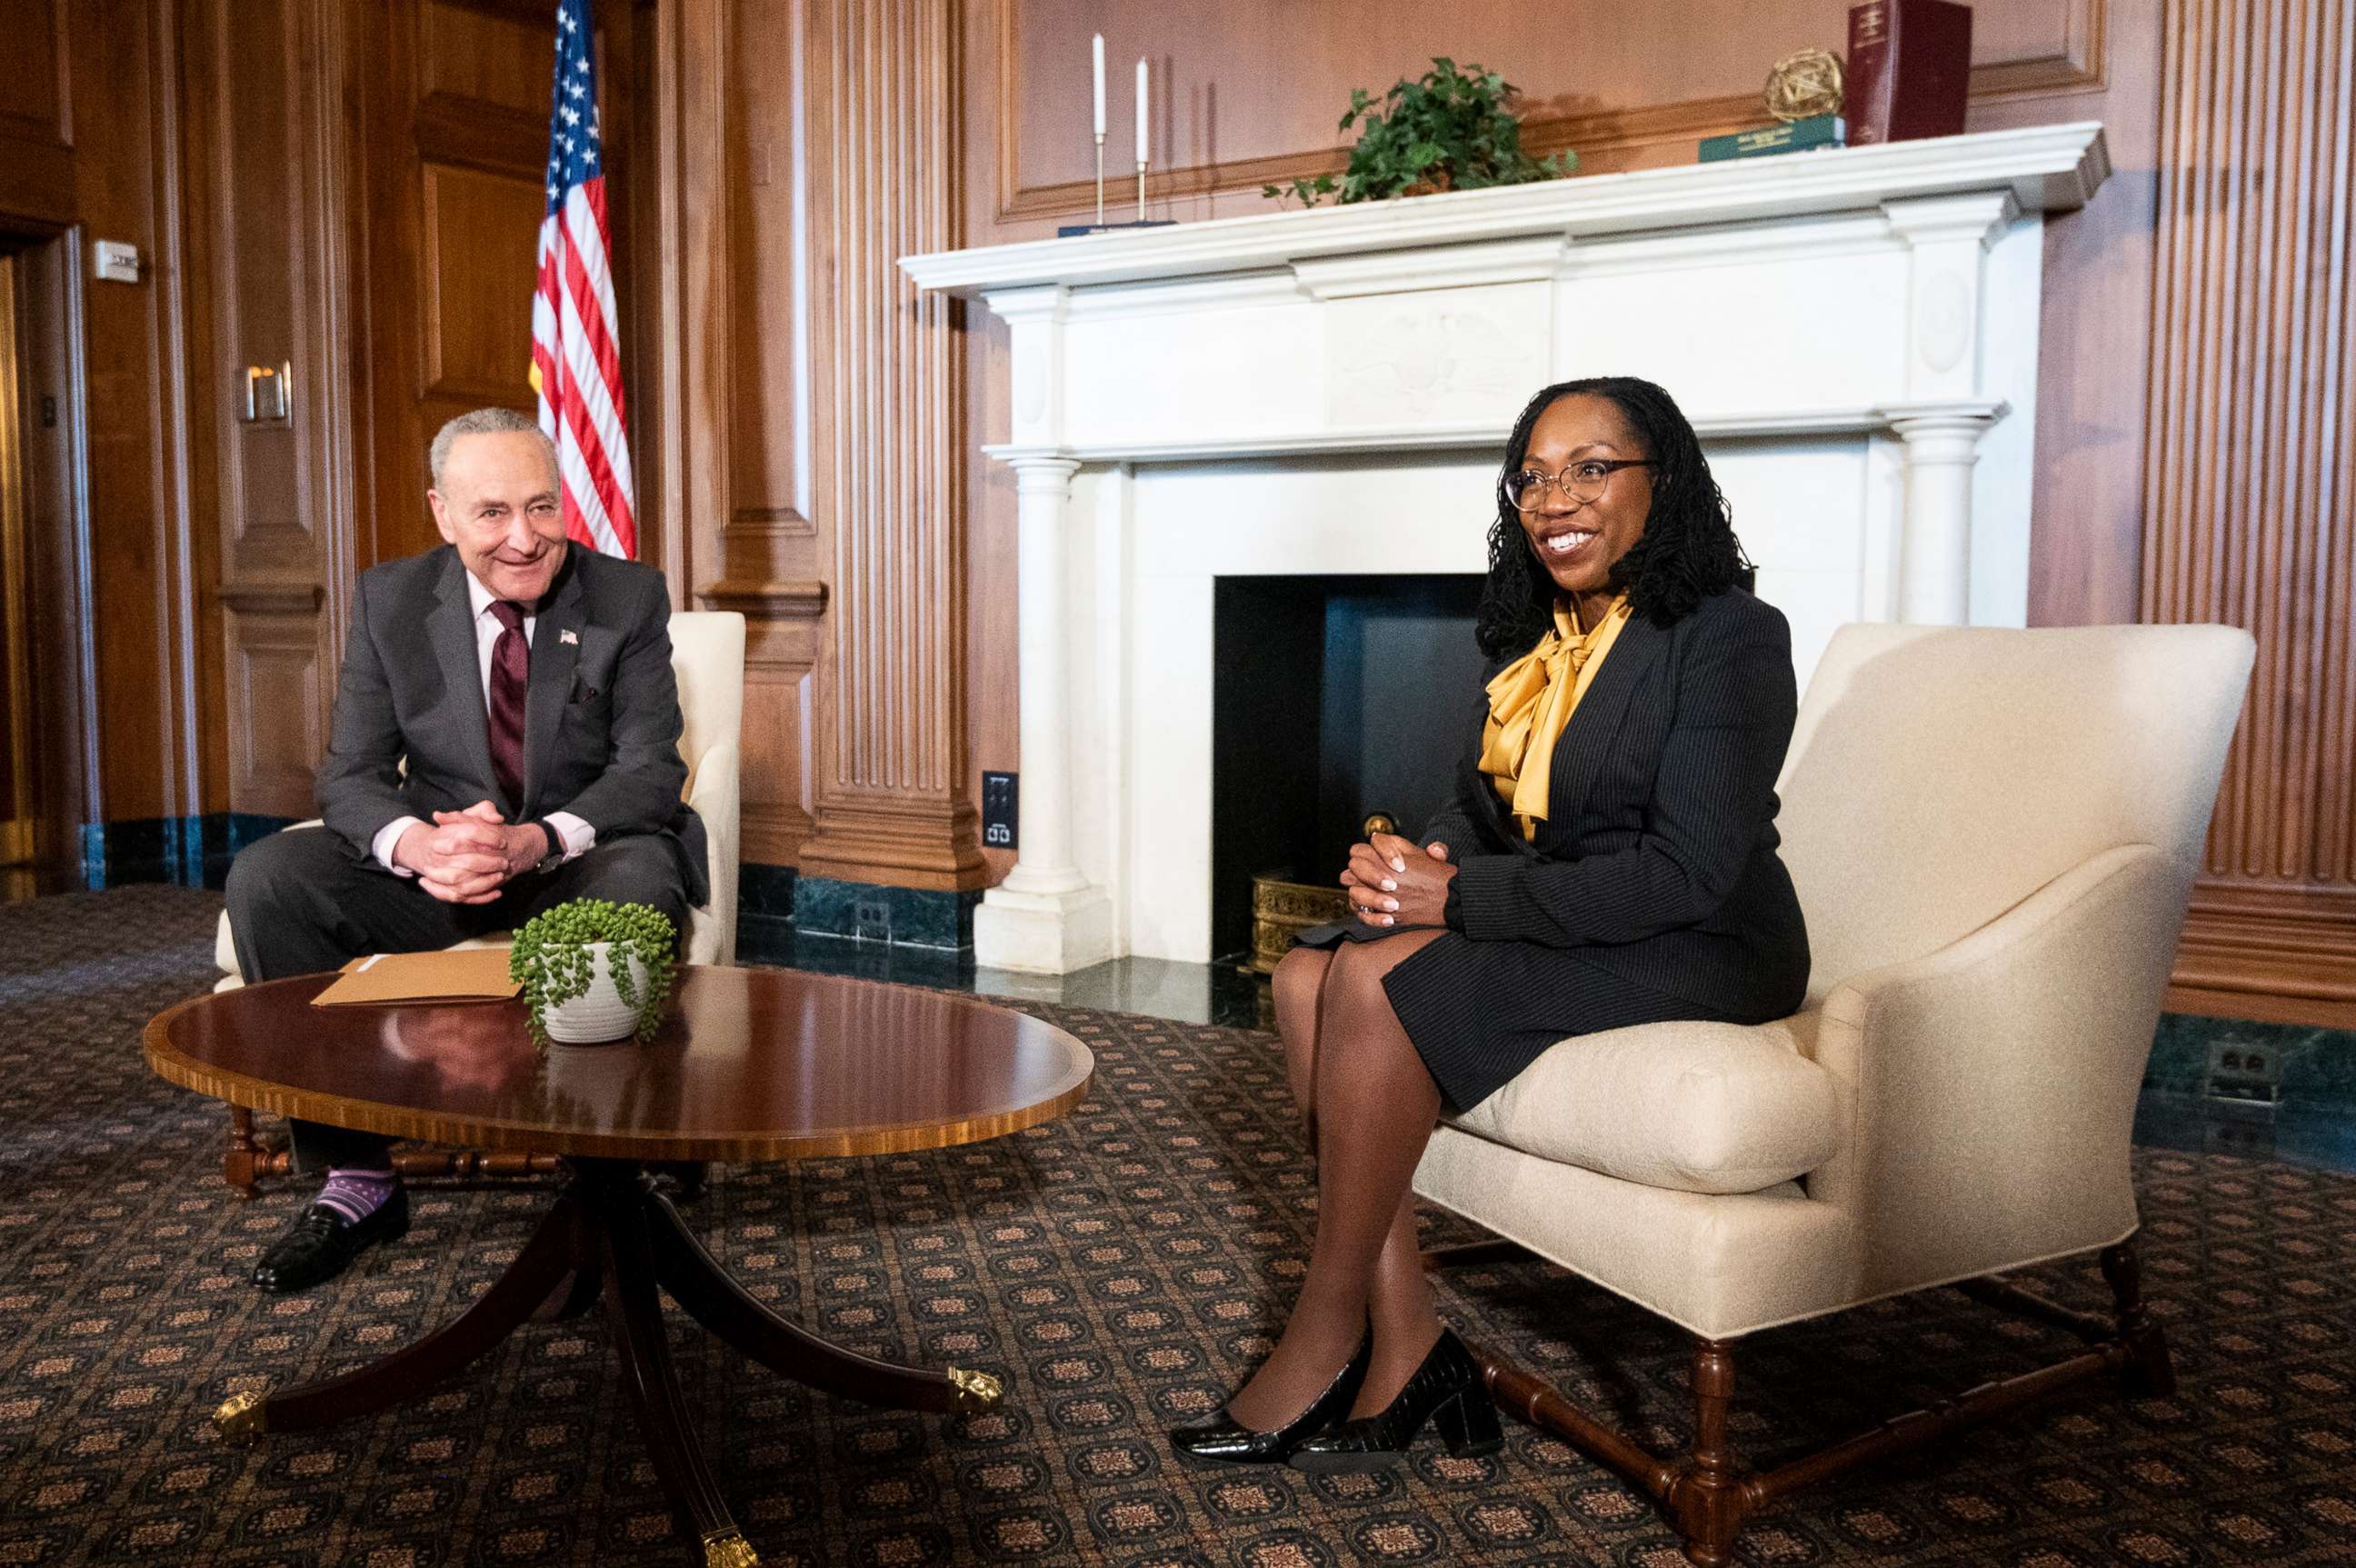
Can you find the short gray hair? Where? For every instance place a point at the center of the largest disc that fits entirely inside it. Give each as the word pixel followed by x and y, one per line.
pixel 482 421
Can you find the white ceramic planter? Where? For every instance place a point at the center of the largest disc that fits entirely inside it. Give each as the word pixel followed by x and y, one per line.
pixel 598 1014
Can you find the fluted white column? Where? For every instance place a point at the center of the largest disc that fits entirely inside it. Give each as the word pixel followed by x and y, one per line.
pixel 1934 558
pixel 1045 918
pixel 1043 487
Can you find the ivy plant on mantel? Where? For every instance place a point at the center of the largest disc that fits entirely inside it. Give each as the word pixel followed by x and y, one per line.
pixel 1446 130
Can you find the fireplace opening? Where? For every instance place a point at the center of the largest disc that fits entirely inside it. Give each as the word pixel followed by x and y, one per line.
pixel 1333 697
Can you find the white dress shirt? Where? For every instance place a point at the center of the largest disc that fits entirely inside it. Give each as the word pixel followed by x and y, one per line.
pixel 579 837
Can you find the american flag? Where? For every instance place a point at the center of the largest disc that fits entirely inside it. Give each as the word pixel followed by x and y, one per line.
pixel 576 367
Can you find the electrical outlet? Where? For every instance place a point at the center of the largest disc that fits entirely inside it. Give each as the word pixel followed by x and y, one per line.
pixel 870 920
pixel 2250 1137
pixel 998 810
pixel 2244 1073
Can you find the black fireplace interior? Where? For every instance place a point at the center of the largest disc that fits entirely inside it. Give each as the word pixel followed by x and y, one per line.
pixel 1332 697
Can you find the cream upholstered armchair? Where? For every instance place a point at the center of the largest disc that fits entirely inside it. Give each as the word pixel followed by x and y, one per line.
pixel 1993 835
pixel 707 658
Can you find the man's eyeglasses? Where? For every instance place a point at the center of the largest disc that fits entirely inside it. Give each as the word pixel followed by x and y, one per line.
pixel 1581 482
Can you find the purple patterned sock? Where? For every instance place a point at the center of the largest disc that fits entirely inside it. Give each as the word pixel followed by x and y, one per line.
pixel 354 1194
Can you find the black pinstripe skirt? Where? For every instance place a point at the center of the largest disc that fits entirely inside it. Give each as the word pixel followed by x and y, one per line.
pixel 1478 1013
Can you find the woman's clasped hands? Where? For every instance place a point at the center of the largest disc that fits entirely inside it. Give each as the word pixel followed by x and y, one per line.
pixel 1394 883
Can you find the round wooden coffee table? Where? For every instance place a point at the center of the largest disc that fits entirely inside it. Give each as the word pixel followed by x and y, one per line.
pixel 752 1064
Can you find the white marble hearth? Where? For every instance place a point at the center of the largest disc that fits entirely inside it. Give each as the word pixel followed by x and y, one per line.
pixel 1328 392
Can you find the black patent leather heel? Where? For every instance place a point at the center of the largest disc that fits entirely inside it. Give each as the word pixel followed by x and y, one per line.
pixel 1468 1424
pixel 1224 1438
pixel 1447 1388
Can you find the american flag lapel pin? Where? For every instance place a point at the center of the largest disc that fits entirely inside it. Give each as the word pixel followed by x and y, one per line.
pixel 566 634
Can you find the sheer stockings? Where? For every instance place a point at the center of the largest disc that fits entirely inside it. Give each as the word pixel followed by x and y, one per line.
pixel 1370 1107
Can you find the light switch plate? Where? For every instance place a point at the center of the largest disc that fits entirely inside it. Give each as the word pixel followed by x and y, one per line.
pixel 111 261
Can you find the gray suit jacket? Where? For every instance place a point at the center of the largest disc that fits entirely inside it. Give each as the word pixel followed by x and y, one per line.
pixel 602 722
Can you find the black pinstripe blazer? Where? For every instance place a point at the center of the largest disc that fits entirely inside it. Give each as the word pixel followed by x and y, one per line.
pixel 1657 857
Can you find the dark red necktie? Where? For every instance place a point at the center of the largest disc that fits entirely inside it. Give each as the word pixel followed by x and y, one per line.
pixel 510 681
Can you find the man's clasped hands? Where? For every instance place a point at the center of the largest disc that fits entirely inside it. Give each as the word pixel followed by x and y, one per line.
pixel 466 857
pixel 1394 883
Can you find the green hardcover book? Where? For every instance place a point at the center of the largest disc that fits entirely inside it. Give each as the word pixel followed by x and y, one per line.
pixel 1793 137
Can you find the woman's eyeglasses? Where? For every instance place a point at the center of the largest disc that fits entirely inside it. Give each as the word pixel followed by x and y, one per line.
pixel 1581 482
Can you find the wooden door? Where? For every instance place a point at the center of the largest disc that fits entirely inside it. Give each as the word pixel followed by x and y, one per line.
pixel 454 113
pixel 19 802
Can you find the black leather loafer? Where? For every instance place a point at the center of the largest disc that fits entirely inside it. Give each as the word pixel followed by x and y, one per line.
pixel 1446 1389
pixel 321 1244
pixel 1224 1438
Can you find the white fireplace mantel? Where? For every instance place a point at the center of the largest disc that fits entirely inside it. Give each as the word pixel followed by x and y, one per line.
pixel 1854 333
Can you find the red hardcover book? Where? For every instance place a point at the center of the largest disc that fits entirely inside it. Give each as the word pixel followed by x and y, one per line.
pixel 1909 67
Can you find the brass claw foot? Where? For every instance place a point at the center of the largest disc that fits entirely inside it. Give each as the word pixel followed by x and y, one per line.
pixel 728 1548
pixel 975 1391
pixel 242 1418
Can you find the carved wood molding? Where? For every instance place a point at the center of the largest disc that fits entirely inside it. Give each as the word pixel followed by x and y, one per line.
pixel 38 180
pixel 2234 952
pixel 767 600
pixel 272 598
pixel 487 136
pixel 2078 66
pixel 777 521
pixel 881 122
pixel 2246 485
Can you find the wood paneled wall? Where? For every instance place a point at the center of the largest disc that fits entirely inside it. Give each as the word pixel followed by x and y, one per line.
pixel 2252 486
pixel 263 79
pixel 884 367
pixel 734 298
pixel 91 148
pixel 819 400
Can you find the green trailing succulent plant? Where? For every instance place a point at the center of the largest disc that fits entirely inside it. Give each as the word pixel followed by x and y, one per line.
pixel 551 958
pixel 1446 130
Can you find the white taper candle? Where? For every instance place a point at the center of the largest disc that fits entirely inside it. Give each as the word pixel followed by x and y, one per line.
pixel 1142 139
pixel 1099 67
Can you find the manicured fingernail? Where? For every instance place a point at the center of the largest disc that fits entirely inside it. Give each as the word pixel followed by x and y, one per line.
pixel 1389 886
pixel 1388 921
pixel 1397 865
pixel 1391 903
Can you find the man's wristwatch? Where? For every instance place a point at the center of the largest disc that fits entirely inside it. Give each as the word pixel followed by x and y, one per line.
pixel 555 844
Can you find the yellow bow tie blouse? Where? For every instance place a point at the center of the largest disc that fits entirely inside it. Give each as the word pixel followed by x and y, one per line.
pixel 1532 699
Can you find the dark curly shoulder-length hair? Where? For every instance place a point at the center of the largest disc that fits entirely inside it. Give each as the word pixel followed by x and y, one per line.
pixel 1687 551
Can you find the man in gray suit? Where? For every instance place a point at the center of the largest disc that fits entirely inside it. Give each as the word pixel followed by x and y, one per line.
pixel 506 738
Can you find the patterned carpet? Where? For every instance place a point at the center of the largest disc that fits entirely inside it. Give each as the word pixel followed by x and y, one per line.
pixel 1116 1269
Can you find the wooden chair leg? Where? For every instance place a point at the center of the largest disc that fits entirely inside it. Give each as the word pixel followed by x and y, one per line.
pixel 2149 1371
pixel 237 1159
pixel 1707 1502
pixel 248 1157
pixel 1704 1497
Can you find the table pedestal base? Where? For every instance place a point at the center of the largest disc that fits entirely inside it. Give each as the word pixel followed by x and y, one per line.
pixel 610 1225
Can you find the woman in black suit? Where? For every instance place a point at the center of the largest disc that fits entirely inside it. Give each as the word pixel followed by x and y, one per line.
pixel 1608 860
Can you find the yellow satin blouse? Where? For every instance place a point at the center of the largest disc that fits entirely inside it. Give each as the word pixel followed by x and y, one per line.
pixel 1530 701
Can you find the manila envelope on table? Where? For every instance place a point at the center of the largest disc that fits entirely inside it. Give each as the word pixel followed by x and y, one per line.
pixel 475 975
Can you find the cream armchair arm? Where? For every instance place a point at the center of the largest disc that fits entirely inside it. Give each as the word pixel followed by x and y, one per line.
pixel 1990 1089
